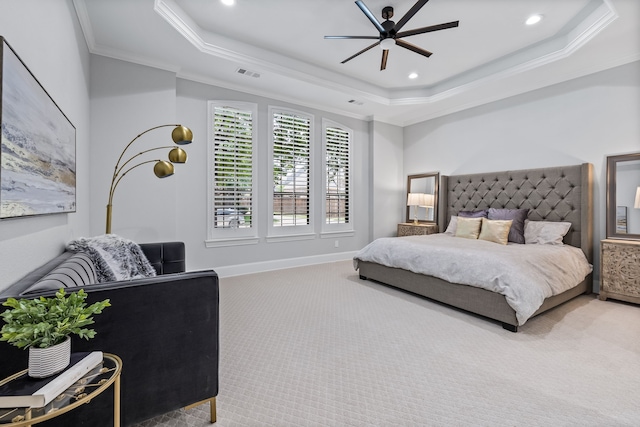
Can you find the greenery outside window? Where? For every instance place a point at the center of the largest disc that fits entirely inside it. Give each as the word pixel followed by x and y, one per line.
pixel 291 201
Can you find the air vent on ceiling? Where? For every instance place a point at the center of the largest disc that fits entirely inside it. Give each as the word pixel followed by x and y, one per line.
pixel 246 72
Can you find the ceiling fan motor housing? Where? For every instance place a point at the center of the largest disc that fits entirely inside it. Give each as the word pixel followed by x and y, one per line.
pixel 387 12
pixel 389 31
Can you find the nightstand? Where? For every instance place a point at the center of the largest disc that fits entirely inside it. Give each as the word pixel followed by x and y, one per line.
pixel 411 229
pixel 620 270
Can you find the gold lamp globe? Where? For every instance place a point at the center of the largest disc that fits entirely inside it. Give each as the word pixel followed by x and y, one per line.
pixel 178 155
pixel 182 135
pixel 163 169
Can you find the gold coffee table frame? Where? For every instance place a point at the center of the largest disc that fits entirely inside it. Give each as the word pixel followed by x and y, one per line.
pixel 88 387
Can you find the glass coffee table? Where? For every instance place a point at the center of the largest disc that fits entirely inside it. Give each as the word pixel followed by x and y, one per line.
pixel 81 392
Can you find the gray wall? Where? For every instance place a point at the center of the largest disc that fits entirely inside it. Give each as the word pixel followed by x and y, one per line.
pixel 127 99
pixel 388 181
pixel 583 120
pixel 47 37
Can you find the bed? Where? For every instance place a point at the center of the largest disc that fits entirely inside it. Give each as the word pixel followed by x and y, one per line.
pixel 562 194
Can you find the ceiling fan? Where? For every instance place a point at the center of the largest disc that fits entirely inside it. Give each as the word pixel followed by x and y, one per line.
pixel 390 33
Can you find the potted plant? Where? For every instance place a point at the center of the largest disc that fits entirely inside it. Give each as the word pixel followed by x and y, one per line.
pixel 44 325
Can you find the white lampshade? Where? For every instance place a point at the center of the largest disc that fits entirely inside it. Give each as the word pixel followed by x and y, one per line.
pixel 637 204
pixel 414 199
pixel 427 200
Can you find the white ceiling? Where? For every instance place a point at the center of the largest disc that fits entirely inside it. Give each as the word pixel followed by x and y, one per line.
pixel 490 56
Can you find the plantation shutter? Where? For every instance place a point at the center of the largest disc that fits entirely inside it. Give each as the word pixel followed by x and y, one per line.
pixel 291 173
pixel 233 166
pixel 337 148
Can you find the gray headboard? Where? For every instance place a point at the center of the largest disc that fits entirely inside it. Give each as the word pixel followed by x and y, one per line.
pixel 562 193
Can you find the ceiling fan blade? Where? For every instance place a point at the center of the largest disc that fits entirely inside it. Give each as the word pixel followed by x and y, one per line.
pixel 383 64
pixel 353 37
pixel 416 7
pixel 413 48
pixel 363 7
pixel 362 51
pixel 429 29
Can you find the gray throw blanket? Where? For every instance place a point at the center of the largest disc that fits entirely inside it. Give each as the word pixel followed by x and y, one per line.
pixel 114 257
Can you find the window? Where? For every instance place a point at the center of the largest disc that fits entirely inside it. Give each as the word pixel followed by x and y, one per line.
pixel 337 161
pixel 232 207
pixel 291 196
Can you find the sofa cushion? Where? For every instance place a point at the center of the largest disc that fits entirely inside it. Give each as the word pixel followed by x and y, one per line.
pixel 77 270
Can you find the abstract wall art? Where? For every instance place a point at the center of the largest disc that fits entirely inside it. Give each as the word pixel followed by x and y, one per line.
pixel 38 145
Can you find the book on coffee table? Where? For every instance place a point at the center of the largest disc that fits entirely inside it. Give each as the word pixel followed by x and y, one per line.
pixel 25 391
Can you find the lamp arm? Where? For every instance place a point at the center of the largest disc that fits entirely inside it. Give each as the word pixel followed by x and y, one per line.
pixel 134 139
pixel 114 184
pixel 117 171
pixel 117 168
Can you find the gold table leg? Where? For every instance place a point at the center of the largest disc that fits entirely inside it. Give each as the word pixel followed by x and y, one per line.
pixel 212 407
pixel 116 402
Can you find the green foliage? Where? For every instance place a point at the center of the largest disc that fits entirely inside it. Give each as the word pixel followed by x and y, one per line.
pixel 44 322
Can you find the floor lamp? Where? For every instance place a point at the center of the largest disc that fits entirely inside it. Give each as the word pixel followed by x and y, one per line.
pixel 181 135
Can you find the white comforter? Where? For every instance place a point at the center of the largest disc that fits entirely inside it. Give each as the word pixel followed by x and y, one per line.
pixel 524 274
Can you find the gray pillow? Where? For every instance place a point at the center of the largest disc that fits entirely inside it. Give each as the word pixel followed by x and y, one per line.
pixel 516 233
pixel 473 214
pixel 77 270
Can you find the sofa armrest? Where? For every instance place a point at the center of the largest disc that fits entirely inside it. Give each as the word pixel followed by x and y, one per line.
pixel 165 257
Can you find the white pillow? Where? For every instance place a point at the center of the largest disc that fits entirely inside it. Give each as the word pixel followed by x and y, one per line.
pixel 453 225
pixel 545 232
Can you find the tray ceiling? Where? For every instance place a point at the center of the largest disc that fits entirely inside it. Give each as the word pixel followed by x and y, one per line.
pixel 281 45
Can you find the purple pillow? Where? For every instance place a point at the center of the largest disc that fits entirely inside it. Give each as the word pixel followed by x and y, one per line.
pixel 473 214
pixel 517 216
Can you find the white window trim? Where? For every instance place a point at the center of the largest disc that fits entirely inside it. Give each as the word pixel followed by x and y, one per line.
pixel 217 237
pixel 328 229
pixel 298 232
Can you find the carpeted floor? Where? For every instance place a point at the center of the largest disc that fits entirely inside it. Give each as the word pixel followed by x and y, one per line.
pixel 316 346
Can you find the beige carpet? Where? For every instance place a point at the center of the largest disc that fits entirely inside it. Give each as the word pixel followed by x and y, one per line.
pixel 317 346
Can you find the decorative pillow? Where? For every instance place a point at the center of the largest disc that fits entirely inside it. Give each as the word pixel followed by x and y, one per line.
pixel 545 232
pixel 473 214
pixel 453 225
pixel 495 230
pixel 468 228
pixel 518 216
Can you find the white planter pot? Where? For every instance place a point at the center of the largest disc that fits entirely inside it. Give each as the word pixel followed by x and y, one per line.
pixel 44 362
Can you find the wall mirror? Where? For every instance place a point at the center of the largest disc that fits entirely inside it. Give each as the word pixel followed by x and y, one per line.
pixel 623 196
pixel 422 192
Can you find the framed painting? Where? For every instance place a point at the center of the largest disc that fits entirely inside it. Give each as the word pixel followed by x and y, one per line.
pixel 38 145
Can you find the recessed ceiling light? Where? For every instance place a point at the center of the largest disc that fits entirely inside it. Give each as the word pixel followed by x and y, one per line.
pixel 533 19
pixel 413 75
pixel 228 2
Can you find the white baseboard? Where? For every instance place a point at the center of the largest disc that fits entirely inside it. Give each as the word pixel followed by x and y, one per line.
pixel 259 267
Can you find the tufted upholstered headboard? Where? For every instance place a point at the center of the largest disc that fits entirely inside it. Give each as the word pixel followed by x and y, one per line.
pixel 562 193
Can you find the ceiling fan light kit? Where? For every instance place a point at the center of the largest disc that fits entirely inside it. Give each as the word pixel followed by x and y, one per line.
pixel 387 44
pixel 390 34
